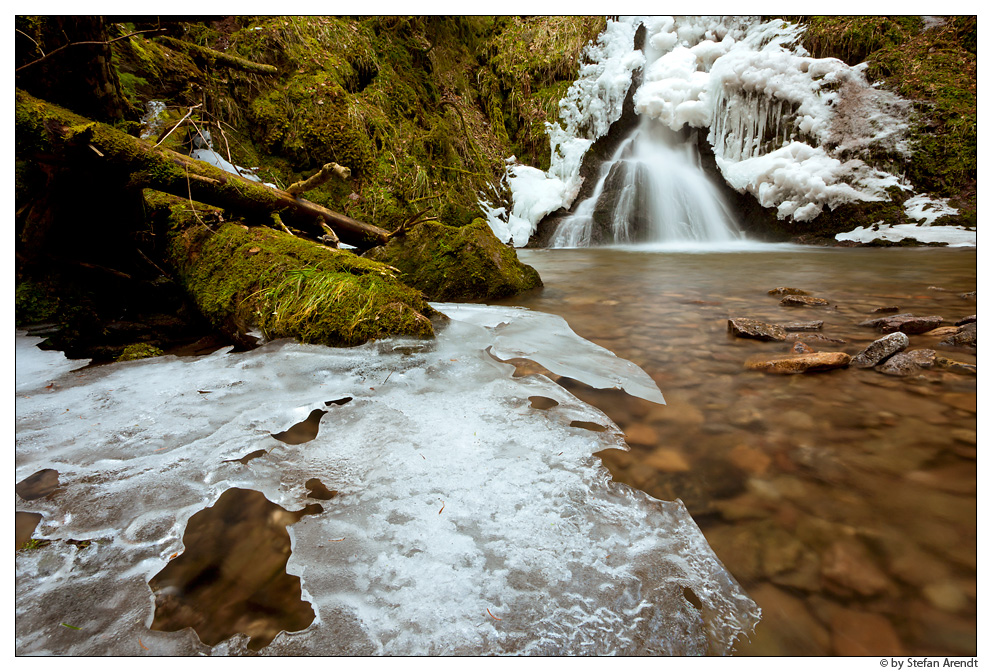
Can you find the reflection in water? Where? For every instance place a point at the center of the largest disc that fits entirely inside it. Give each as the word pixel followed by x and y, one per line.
pixel 542 403
pixel 843 501
pixel 232 576
pixel 304 431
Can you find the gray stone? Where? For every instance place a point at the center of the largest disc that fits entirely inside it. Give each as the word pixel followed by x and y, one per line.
pixel 812 325
pixel 881 349
pixel 907 323
pixel 796 300
pixel 908 363
pixel 747 328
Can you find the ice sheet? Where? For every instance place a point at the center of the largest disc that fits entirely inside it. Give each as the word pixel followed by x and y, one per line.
pixel 532 532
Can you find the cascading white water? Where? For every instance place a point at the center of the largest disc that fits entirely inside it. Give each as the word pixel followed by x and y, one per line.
pixel 658 193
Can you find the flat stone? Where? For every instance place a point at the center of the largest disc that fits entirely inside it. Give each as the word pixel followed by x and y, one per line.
pixel 816 361
pixel 885 309
pixel 747 328
pixel 797 300
pixel 955 366
pixel 907 363
pixel 859 633
pixel 812 325
pixel 965 320
pixel 783 291
pixel 942 331
pixel 880 349
pixel 907 323
pixel 966 337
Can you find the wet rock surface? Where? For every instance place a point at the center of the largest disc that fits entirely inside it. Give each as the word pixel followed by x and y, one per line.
pixel 810 325
pixel 743 327
pixel 967 337
pixel 798 300
pixel 908 363
pixel 904 322
pixel 880 349
pixel 816 361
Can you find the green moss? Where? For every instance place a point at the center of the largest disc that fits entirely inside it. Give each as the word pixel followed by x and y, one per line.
pixel 244 278
pixel 139 351
pixel 34 303
pixel 457 263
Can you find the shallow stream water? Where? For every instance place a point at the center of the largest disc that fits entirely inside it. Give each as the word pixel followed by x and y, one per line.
pixel 844 502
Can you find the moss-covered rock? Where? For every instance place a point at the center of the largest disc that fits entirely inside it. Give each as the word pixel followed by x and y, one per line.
pixel 139 351
pixel 244 278
pixel 450 263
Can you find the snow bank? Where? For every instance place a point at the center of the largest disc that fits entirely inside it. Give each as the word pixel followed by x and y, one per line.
pixel 927 210
pixel 954 236
pixel 456 497
pixel 37 368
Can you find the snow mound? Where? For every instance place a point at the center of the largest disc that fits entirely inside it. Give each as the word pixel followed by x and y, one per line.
pixel 467 521
pixel 954 236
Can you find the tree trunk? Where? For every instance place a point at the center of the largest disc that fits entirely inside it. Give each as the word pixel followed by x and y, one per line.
pixel 44 130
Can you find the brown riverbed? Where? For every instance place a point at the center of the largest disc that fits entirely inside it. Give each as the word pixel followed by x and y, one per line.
pixel 844 501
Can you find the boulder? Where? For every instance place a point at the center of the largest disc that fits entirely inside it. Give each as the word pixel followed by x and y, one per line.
pixel 908 363
pixel 816 361
pixel 907 323
pixel 451 263
pixel 798 300
pixel 783 291
pixel 879 350
pixel 967 337
pixel 743 327
pixel 812 325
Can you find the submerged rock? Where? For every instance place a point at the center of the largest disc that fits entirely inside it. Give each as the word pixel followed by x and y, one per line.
pixel 797 300
pixel 819 338
pixel 801 348
pixel 450 263
pixel 885 309
pixel 816 361
pixel 811 325
pixel 744 327
pixel 942 331
pixel 955 366
pixel 782 291
pixel 965 320
pixel 879 350
pixel 908 363
pixel 904 322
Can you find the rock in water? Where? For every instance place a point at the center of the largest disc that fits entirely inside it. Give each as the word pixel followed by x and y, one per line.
pixel 908 363
pixel 881 349
pixel 812 325
pixel 965 320
pixel 907 323
pixel 747 328
pixel 796 300
pixel 967 337
pixel 782 291
pixel 955 366
pixel 816 361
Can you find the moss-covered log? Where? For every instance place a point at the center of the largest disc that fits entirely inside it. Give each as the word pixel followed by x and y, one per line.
pixel 44 131
pixel 450 263
pixel 246 278
pixel 213 57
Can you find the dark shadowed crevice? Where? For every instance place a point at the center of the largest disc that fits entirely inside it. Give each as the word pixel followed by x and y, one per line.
pixel 232 576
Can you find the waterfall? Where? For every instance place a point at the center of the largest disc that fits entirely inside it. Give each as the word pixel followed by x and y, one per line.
pixel 653 189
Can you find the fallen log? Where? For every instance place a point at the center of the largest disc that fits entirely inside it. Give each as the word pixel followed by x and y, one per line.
pixel 45 130
pixel 214 57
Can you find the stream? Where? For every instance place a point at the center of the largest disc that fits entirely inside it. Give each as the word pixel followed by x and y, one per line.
pixel 844 502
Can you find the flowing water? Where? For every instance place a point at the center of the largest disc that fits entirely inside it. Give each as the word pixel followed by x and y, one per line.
pixel 845 501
